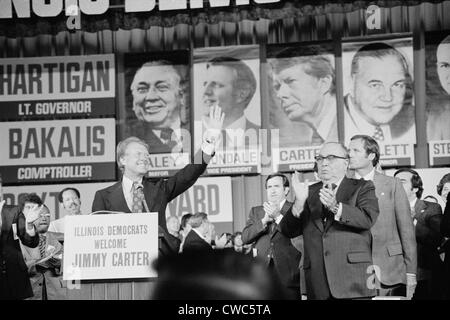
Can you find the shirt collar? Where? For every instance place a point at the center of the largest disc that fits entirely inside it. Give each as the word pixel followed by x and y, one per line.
pixel 367 177
pixel 363 126
pixel 127 183
pixel 412 204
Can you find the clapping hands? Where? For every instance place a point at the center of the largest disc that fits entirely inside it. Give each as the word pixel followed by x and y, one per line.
pixel 301 191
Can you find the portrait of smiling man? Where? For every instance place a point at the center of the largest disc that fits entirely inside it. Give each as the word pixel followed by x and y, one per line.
pixel 158 97
pixel 379 99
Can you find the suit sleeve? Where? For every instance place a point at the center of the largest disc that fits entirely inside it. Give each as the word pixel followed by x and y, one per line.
pixel 405 227
pixel 98 204
pixel 184 179
pixel 292 226
pixel 253 228
pixel 430 234
pixel 364 213
pixel 25 238
pixel 445 225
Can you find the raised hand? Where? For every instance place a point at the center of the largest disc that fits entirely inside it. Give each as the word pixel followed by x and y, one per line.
pixel 301 191
pixel 32 215
pixel 215 123
pixel 328 197
pixel 271 209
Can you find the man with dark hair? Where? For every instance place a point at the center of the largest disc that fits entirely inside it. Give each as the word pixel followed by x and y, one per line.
pixel 230 84
pixel 158 98
pixel 305 86
pixel 427 218
pixel 137 193
pixel 443 188
pixel 272 247
pixel 438 115
pixel 197 238
pixel 15 225
pixel 379 103
pixel 394 249
pixel 70 199
pixel 44 262
pixel 335 216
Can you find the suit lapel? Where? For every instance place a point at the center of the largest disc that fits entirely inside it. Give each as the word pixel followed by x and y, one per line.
pixel 117 199
pixel 419 208
pixel 149 193
pixel 286 206
pixel 316 207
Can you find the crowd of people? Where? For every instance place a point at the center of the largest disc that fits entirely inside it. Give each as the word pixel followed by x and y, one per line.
pixel 355 234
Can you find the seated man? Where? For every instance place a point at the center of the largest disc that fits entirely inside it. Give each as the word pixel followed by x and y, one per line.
pixel 44 262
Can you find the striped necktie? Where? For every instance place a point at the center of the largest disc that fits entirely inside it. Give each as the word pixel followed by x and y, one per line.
pixel 378 134
pixel 42 240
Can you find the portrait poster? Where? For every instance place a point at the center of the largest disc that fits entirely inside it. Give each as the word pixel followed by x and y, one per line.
pixel 379 97
pixel 157 108
pixel 229 77
pixel 302 102
pixel 437 68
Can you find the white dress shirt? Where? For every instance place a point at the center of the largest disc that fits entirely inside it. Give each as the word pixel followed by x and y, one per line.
pixel 127 187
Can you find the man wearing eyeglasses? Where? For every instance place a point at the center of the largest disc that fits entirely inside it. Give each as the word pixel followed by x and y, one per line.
pixel 394 242
pixel 335 216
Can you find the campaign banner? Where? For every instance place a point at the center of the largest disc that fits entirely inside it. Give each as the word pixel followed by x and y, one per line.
pixel 38 151
pixel 49 195
pixel 301 96
pixel 212 195
pixel 439 152
pixel 229 77
pixel 157 107
pixel 295 159
pixel 57 87
pixel 437 51
pixel 379 94
pixel 111 246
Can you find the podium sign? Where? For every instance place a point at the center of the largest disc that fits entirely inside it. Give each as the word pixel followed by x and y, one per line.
pixel 110 246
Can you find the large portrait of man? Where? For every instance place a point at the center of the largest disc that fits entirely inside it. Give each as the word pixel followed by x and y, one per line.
pixel 437 50
pixel 157 106
pixel 229 77
pixel 378 90
pixel 302 101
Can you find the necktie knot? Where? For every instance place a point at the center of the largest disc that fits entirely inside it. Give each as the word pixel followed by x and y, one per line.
pixel 378 134
pixel 166 134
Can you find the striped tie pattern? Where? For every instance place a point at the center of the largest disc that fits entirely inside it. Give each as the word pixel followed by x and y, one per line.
pixel 42 240
pixel 137 198
pixel 378 134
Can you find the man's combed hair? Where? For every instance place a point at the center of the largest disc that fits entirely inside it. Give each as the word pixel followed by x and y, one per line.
pixel 31 197
pixel 416 180
pixel 122 147
pixel 282 176
pixel 60 194
pixel 370 145
pixel 197 219
pixel 244 77
pixel 313 59
pixel 444 180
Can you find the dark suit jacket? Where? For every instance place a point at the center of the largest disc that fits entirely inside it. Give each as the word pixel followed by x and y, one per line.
pixel 194 242
pixel 158 193
pixel 272 243
pixel 428 235
pixel 337 256
pixel 14 281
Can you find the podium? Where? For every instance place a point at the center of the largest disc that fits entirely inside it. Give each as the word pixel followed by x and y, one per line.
pixel 110 256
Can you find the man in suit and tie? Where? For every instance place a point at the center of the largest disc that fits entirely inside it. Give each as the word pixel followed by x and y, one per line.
pixel 335 216
pixel 427 217
pixel 137 193
pixel 394 243
pixel 197 238
pixel 44 262
pixel 158 98
pixel 272 247
pixel 15 225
